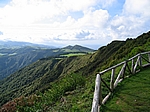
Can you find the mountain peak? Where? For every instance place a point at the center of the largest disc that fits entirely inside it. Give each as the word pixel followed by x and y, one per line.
pixel 78 48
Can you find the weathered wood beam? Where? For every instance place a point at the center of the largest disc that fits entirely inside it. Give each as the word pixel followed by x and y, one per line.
pixel 136 64
pixel 106 98
pixel 95 104
pixel 106 70
pixel 132 66
pixel 149 57
pixel 122 71
pixel 140 60
pixel 112 79
pixel 125 66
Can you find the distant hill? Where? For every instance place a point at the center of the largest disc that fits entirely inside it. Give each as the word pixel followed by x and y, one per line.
pixel 17 55
pixel 16 44
pixel 77 48
pixel 52 79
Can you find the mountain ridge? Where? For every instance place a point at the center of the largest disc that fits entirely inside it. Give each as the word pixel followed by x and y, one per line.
pixel 45 75
pixel 12 59
pixel 19 44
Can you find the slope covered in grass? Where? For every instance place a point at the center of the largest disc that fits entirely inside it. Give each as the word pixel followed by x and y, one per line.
pixel 49 74
pixel 131 95
pixel 15 58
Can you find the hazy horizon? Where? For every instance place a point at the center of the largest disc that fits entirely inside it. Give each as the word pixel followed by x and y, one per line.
pixel 90 23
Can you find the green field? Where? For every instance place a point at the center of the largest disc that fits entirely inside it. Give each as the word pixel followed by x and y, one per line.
pixel 73 54
pixel 131 95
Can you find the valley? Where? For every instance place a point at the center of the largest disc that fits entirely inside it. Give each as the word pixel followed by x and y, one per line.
pixel 65 82
pixel 13 57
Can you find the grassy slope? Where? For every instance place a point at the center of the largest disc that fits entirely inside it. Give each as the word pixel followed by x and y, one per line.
pixel 74 54
pixel 132 95
pixel 81 99
pixel 15 59
pixel 37 76
pixel 87 65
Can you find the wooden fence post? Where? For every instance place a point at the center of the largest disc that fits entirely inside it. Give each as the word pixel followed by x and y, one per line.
pixel 149 57
pixel 124 69
pixel 140 60
pixel 100 91
pixel 132 66
pixel 96 100
pixel 112 80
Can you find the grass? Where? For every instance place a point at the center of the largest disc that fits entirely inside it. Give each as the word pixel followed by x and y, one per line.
pixel 56 98
pixel 131 95
pixel 74 54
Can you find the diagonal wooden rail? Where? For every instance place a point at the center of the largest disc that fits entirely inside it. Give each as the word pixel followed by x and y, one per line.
pixel 132 65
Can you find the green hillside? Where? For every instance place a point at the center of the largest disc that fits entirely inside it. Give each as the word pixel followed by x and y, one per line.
pixel 132 95
pixel 37 76
pixel 14 58
pixel 66 84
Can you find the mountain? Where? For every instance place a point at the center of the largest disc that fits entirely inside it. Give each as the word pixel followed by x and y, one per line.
pixel 16 44
pixel 77 48
pixel 16 57
pixel 66 84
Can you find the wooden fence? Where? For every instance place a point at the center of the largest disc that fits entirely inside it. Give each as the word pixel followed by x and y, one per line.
pixel 132 65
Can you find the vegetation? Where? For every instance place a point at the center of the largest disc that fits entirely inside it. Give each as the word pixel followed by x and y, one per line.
pixel 73 54
pixel 37 76
pixel 132 95
pixel 58 91
pixel 13 59
pixel 56 82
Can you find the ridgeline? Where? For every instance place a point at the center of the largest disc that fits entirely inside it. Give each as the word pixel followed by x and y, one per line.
pixel 65 84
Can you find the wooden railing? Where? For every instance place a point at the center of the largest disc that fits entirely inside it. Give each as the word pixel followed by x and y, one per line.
pixel 132 65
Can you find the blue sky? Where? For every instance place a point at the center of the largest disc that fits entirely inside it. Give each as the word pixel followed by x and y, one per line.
pixel 4 2
pixel 91 23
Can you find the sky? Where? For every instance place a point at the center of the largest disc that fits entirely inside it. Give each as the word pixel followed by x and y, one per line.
pixel 91 23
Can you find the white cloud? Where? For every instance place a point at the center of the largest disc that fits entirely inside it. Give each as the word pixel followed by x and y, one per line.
pixel 94 19
pixel 132 21
pixel 77 5
pixel 139 8
pixel 51 21
pixel 23 12
pixel 1 33
pixel 82 35
pixel 107 3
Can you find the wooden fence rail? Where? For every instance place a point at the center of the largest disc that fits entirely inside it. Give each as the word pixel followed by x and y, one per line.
pixel 133 65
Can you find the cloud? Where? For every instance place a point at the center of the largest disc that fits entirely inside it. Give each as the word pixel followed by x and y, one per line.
pixel 82 35
pixel 132 21
pixel 75 35
pixel 138 8
pixel 1 33
pixel 94 19
pixel 77 5
pixel 62 21
pixel 25 12
pixel 107 3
